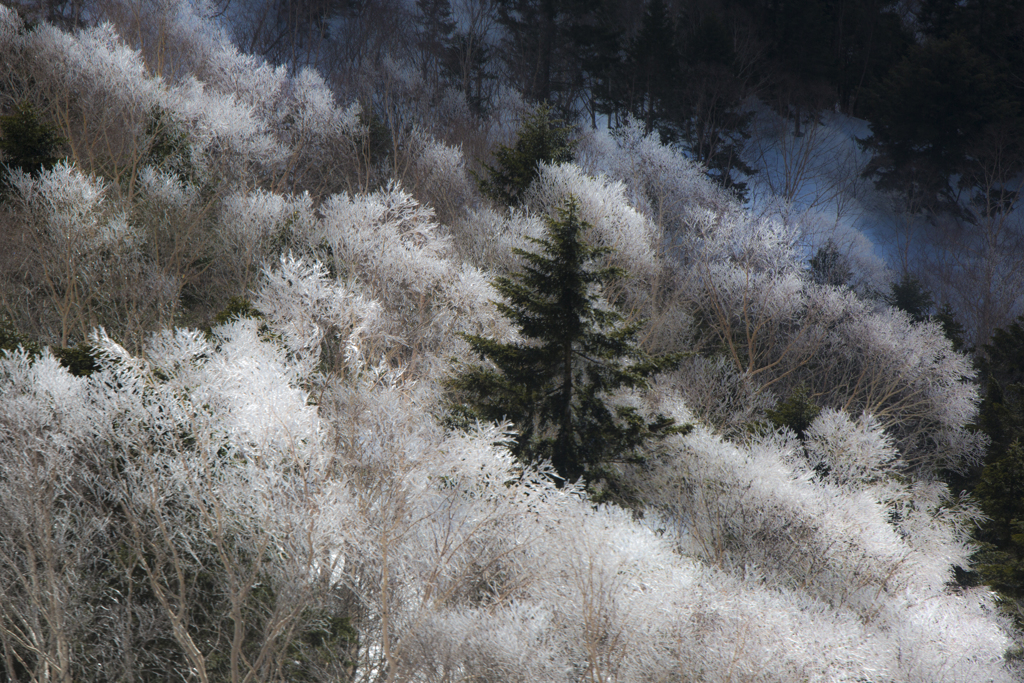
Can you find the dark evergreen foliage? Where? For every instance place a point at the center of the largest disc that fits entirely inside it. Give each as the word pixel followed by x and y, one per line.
pixel 598 44
pixel 819 52
pixel 1002 370
pixel 11 339
pixel 1000 487
pixel 27 142
pixel 437 39
pixel 952 328
pixel 653 67
pixel 910 295
pixel 710 118
pixel 682 81
pixel 237 307
pixel 475 57
pixel 169 146
pixel 829 266
pixel 79 360
pixel 554 385
pixel 947 119
pixel 542 138
pixel 796 413
pixel 541 53
pixel 1000 561
pixel 532 28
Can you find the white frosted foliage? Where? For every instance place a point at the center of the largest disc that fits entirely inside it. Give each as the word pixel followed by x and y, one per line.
pixel 849 453
pixel 603 204
pixel 660 180
pixel 254 224
pixel 304 306
pixel 278 476
pixel 393 246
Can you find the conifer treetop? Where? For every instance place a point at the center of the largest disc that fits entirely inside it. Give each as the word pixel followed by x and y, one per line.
pixel 542 138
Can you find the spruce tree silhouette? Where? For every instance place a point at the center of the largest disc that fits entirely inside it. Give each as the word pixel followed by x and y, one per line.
pixel 555 384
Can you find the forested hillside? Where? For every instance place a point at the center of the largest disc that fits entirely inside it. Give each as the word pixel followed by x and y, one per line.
pixel 336 348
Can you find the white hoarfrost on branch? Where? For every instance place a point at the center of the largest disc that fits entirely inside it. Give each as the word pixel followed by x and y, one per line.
pixel 660 180
pixel 393 247
pixel 255 225
pixel 603 204
pixel 304 306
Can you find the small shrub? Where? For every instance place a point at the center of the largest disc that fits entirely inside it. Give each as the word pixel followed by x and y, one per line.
pixel 79 360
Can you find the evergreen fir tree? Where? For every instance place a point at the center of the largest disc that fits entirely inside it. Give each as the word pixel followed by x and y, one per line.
pixel 28 143
pixel 542 139
pixel 930 119
pixel 1000 488
pixel 710 118
pixel 796 413
pixel 1001 415
pixel 554 386
pixel 1000 561
pixel 532 26
pixel 909 295
pixel 542 57
pixel 829 266
pixel 598 45
pixel 952 328
pixel 802 38
pixel 474 68
pixel 436 39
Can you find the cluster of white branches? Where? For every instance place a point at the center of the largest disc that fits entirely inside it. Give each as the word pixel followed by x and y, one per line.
pixel 76 260
pixel 447 561
pixel 660 181
pixel 278 499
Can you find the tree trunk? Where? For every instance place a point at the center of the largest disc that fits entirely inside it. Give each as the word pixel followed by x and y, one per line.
pixel 545 48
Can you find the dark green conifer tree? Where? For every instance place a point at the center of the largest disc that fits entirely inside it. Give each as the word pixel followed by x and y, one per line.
pixel 542 139
pixel 1000 486
pixel 829 266
pixel 28 143
pixel 931 118
pixel 598 46
pixel 541 55
pixel 554 385
pixel 533 29
pixel 952 328
pixel 820 52
pixel 797 412
pixel 436 40
pixel 910 295
pixel 710 118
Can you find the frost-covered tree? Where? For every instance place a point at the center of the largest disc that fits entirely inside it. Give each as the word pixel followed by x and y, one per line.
pixel 70 243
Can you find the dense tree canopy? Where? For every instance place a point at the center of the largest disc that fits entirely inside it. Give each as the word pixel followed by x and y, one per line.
pixel 930 119
pixel 228 316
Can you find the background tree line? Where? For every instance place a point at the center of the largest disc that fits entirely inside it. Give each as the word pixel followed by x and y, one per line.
pixel 938 80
